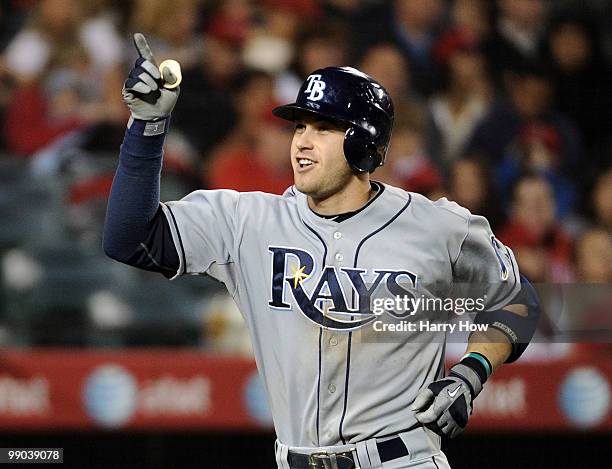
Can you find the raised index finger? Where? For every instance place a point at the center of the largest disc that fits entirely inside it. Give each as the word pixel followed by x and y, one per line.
pixel 143 47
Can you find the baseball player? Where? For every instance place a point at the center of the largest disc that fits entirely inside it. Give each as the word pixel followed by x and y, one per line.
pixel 305 267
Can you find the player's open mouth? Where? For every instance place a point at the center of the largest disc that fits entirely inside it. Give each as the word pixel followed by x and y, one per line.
pixel 305 163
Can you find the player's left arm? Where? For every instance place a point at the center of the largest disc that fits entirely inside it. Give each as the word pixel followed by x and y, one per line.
pixel 487 268
pixel 509 330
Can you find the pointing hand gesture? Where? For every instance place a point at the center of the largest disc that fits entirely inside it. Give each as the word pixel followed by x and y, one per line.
pixel 149 93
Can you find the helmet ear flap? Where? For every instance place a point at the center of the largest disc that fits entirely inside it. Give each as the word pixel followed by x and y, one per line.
pixel 361 151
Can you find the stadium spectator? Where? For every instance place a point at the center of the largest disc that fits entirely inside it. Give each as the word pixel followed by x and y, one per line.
pixel 205 114
pixel 537 150
pixel 594 257
pixel 36 116
pixel 170 28
pixel 475 16
pixel 594 297
pixel 271 46
pixel 413 27
pixel 259 165
pixel 253 93
pixel 602 200
pixel 464 98
pixel 42 111
pixel 283 17
pixel 515 37
pixel 408 165
pixel 321 44
pixel 66 80
pixel 385 63
pixel 529 107
pixel 415 30
pixel 57 24
pixel 471 185
pixel 543 250
pixel 582 77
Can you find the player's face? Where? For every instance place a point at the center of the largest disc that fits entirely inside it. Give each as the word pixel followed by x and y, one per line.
pixel 317 157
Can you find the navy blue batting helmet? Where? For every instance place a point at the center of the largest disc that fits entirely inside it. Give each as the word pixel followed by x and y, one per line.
pixel 349 96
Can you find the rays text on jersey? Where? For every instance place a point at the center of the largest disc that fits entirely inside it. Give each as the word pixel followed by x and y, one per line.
pixel 292 268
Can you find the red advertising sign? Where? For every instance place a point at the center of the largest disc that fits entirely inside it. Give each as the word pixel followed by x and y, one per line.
pixel 172 389
pixel 141 389
pixel 546 396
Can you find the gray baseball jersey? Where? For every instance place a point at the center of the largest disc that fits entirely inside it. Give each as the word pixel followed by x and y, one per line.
pixel 303 284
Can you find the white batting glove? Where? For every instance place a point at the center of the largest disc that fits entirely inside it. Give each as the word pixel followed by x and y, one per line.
pixel 445 405
pixel 144 91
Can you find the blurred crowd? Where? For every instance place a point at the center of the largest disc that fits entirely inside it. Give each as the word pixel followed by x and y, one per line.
pixel 504 106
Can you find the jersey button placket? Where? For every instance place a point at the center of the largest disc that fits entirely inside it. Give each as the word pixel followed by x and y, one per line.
pixel 330 399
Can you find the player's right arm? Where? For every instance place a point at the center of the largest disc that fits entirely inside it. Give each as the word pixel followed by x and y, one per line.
pixel 135 230
pixel 194 235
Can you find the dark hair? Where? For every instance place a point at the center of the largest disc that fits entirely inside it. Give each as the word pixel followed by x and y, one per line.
pixel 328 31
pixel 246 76
pixel 532 68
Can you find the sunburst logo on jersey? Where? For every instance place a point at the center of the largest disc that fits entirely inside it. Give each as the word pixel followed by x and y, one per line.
pixel 298 275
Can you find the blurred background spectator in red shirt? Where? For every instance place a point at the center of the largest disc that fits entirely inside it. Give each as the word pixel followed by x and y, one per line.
pixel 542 248
pixel 260 163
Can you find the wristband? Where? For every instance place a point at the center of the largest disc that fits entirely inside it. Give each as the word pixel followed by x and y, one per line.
pixel 482 359
pixel 148 128
pixel 476 367
pixel 142 143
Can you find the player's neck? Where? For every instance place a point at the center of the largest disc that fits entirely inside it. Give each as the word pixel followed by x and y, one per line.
pixel 352 197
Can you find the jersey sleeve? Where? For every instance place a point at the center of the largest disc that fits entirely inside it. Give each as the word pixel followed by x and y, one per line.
pixel 484 268
pixel 203 227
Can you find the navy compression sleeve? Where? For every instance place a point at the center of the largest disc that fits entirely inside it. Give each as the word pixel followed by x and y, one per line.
pixel 136 231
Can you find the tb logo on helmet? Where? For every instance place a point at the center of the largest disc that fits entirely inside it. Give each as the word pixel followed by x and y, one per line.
pixel 315 87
